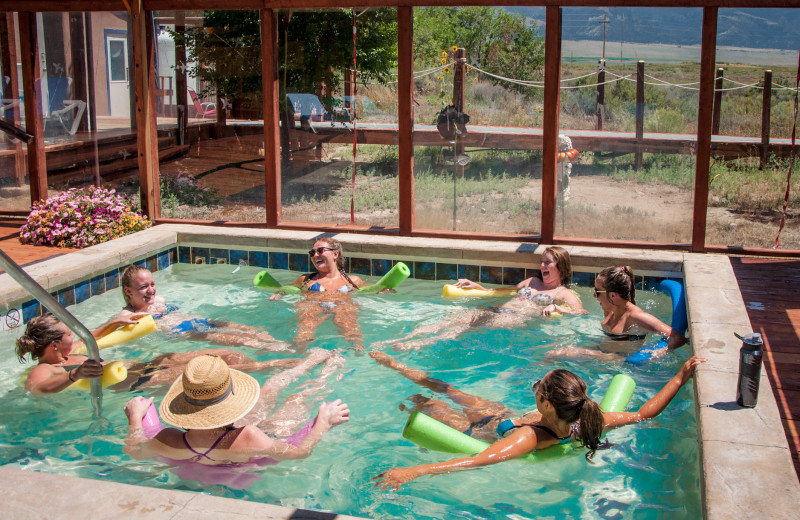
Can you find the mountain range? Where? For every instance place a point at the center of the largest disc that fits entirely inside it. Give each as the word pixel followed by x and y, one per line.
pixel 750 28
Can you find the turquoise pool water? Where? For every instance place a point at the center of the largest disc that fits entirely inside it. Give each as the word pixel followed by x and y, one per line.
pixel 650 472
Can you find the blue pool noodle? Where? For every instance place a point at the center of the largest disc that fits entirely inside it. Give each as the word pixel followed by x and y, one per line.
pixel 680 321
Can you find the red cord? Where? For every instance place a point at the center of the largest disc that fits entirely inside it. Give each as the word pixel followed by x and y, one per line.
pixel 791 157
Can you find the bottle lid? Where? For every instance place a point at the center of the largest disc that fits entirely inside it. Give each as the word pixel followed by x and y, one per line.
pixel 754 338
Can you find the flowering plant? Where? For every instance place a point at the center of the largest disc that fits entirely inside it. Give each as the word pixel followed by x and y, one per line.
pixel 81 217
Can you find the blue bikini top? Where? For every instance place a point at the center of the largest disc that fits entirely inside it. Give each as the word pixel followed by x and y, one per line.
pixel 317 287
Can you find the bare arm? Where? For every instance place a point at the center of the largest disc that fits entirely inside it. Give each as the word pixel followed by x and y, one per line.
pixel 49 379
pixel 647 321
pixel 516 445
pixel 658 402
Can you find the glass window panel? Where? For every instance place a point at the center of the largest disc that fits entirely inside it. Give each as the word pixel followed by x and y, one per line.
pixel 626 168
pixel 15 190
pixel 478 163
pixel 748 183
pixel 326 168
pixel 208 94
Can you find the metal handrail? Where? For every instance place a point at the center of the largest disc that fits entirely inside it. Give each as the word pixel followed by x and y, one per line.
pixel 58 310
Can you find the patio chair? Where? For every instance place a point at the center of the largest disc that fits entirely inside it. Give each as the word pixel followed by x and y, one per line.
pixel 60 108
pixel 203 109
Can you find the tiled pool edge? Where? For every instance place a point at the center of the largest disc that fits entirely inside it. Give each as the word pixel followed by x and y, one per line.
pixel 746 467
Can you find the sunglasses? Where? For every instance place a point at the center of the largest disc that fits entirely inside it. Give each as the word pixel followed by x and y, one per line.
pixel 535 386
pixel 320 250
pixel 598 291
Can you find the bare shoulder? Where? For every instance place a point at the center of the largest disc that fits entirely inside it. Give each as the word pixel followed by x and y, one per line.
pixel 250 437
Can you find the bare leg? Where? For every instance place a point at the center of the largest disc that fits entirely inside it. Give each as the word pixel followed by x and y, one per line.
pixel 271 389
pixel 309 316
pixel 447 328
pixel 470 402
pixel 295 410
pixel 258 340
pixel 345 316
pixel 571 351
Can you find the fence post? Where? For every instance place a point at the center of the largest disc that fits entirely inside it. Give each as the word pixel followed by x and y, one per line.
pixel 601 94
pixel 717 102
pixel 765 111
pixel 639 111
pixel 459 77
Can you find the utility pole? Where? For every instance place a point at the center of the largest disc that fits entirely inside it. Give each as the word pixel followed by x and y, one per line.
pixel 605 24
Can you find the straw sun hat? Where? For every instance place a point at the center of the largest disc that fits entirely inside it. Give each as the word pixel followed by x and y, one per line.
pixel 208 395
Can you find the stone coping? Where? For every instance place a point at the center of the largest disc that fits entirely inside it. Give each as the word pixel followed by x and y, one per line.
pixel 746 465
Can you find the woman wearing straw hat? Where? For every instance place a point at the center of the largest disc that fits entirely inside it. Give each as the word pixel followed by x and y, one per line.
pixel 206 402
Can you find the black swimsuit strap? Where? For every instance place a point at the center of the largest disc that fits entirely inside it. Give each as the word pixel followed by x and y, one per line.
pixel 550 432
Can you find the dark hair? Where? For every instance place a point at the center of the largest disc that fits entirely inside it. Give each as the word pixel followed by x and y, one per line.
pixel 567 393
pixel 127 278
pixel 563 263
pixel 619 279
pixel 41 331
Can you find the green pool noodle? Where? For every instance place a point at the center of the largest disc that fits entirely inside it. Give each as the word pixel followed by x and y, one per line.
pixel 390 280
pixel 429 433
pixel 264 279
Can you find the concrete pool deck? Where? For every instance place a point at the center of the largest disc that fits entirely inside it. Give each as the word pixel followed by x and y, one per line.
pixel 746 466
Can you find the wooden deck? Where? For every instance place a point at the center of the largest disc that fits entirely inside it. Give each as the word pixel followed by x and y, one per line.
pixel 769 288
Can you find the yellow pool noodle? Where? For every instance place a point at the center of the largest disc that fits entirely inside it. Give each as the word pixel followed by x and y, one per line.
pixel 113 373
pixel 131 332
pixel 451 291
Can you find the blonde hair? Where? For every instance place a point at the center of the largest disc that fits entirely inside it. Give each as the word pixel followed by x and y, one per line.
pixel 41 331
pixel 128 275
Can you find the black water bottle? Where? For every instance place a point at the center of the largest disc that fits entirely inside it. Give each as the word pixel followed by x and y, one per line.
pixel 750 358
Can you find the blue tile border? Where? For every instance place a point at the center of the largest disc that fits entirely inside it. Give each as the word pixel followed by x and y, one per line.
pixel 425 270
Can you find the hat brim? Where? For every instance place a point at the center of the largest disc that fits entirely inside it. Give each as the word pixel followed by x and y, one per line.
pixel 175 411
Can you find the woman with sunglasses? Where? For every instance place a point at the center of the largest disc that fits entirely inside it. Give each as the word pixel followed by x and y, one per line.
pixel 624 323
pixel 326 293
pixel 537 296
pixel 564 413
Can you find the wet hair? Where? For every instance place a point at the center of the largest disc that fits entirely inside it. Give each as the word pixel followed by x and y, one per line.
pixel 337 246
pixel 128 275
pixel 567 393
pixel 619 279
pixel 41 331
pixel 563 263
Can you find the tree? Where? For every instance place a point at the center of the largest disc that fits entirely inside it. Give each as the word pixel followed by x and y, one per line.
pixel 496 41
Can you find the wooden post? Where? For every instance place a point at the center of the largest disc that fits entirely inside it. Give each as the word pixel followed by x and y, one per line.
pixel 766 106
pixel 717 101
pixel 144 81
pixel 91 101
pixel 552 92
pixel 600 108
pixel 78 58
pixel 181 88
pixel 405 117
pixel 639 110
pixel 31 84
pixel 272 140
pixel 704 116
pixel 459 77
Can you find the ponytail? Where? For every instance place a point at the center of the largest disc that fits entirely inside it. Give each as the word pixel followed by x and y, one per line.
pixel 41 331
pixel 619 279
pixel 590 427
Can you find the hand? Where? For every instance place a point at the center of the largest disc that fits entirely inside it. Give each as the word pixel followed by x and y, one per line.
pixel 333 413
pixel 90 369
pixel 466 283
pixel 687 370
pixel 550 309
pixel 276 296
pixel 137 408
pixel 394 478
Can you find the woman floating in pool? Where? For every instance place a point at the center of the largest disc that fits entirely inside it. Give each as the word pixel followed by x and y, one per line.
pixel 327 292
pixel 139 291
pixel 536 296
pixel 47 339
pixel 623 322
pixel 565 414
pixel 206 402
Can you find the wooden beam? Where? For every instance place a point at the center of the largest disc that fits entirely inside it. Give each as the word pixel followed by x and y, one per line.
pixel 144 82
pixel 552 92
pixel 405 116
pixel 34 124
pixel 271 90
pixel 705 115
